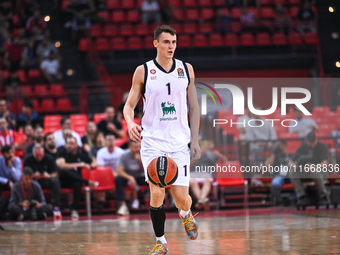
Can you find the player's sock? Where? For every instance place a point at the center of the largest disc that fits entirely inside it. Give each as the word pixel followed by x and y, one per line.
pixel 158 220
pixel 161 239
pixel 184 213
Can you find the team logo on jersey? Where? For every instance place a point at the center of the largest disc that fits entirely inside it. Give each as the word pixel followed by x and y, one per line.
pixel 180 72
pixel 152 71
pixel 168 108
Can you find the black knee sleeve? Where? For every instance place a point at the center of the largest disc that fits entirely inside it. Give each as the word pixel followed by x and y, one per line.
pixel 158 220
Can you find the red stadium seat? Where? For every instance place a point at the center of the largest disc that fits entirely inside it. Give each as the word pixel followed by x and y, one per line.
pixel 133 16
pixel 148 42
pixel 84 44
pixel 236 13
pixel 135 43
pixel 311 38
pixel 111 30
pixel 142 29
pixel 5 74
pixel 65 4
pixel 34 74
pixel 216 40
pixel 178 27
pixel 189 3
pixel 112 4
pixel 104 15
pixel 263 39
pixel 200 40
pixel 36 105
pixel 126 30
pixel 231 40
pixel 205 3
pixel 206 28
pixel 247 39
pixel 207 13
pixel 185 41
pixel 118 43
pixel 192 14
pixel 118 16
pixel 64 105
pixel 174 3
pixel 104 176
pixel 283 2
pixel 97 117
pixel 279 39
pixel 57 90
pixel 266 2
pixel 253 10
pixel 190 28
pixel 26 90
pixel 295 38
pixel 294 11
pixel 21 74
pixel 267 13
pixel 41 90
pixel 96 30
pixel 48 105
pixel 235 27
pixel 178 14
pixel 102 44
pixel 128 4
pixel 320 111
pixel 294 2
pixel 219 2
pixel 83 118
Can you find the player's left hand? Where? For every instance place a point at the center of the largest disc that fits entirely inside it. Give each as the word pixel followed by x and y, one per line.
pixel 196 150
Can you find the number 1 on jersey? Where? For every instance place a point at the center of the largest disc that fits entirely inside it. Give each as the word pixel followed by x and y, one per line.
pixel 169 89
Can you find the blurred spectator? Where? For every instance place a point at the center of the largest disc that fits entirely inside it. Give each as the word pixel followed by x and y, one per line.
pixel 304 124
pixel 108 156
pixel 10 168
pixel 255 3
pixel 65 123
pixel 26 8
pixel 11 82
pixel 98 144
pixel 50 146
pixel 305 19
pixel 45 173
pixel 223 21
pixel 45 48
pixel 38 138
pixel 130 172
pixel 28 115
pixel 27 199
pixel 36 20
pixel 109 125
pixel 6 15
pixel 70 164
pixel 282 20
pixel 261 139
pixel 279 158
pixel 88 140
pixel 243 128
pixel 138 109
pixel 7 136
pixel 30 56
pixel 50 67
pixel 15 55
pixel 80 20
pixel 233 3
pixel 311 152
pixel 151 12
pixel 5 113
pixel 29 135
pixel 336 134
pixel 247 19
pixel 209 157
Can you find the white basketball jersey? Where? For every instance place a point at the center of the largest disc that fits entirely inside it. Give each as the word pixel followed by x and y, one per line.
pixel 165 118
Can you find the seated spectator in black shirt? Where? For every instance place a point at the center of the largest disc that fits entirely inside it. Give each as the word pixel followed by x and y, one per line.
pixel 310 153
pixel 70 164
pixel 38 139
pixel 27 199
pixel 305 19
pixel 109 125
pixel 89 139
pixel 45 172
pixel 50 146
pixel 100 142
pixel 27 116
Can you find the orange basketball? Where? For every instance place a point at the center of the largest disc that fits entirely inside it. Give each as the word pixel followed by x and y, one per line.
pixel 162 171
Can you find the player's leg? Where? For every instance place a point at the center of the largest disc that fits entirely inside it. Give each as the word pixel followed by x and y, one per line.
pixel 157 214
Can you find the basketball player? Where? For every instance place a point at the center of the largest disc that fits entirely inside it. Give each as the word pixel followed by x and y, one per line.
pixel 165 84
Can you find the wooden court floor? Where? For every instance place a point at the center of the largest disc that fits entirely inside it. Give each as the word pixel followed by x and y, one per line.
pixel 257 231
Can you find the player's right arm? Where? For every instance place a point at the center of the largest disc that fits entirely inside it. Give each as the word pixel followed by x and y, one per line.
pixel 131 102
